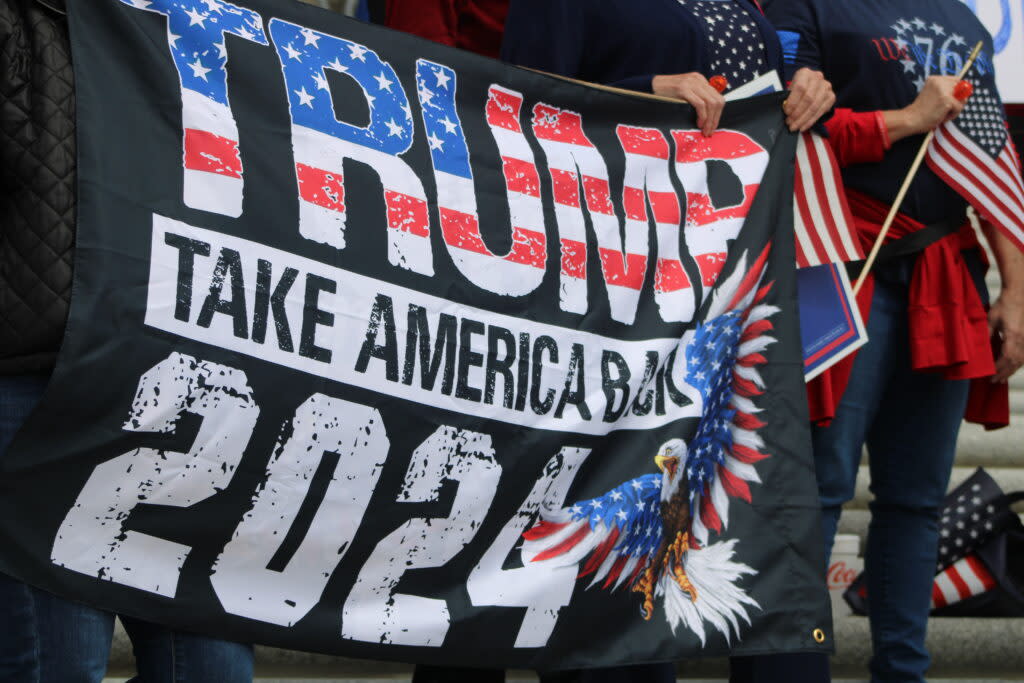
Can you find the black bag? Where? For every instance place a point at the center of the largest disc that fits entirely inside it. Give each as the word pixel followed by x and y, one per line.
pixel 1003 558
pixel 980 567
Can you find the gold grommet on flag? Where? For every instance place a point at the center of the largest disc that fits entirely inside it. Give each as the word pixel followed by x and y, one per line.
pixel 819 636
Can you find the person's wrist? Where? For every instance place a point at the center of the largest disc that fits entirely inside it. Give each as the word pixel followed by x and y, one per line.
pixel 901 123
pixel 658 85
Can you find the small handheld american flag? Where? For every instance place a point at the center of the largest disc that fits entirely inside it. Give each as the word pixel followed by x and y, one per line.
pixel 974 154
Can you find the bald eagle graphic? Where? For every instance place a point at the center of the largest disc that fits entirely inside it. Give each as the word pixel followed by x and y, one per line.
pixel 653 533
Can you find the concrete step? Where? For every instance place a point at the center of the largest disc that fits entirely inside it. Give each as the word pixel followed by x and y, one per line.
pixel 855 521
pixel 999 448
pixel 1017 381
pixel 962 649
pixel 1009 478
pixel 1016 403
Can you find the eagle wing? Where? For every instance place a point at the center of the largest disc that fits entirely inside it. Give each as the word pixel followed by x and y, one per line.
pixel 723 361
pixel 615 535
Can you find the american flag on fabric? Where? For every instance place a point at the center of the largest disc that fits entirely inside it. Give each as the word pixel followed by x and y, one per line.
pixel 974 155
pixel 821 217
pixel 197 33
pixel 320 142
pixel 966 578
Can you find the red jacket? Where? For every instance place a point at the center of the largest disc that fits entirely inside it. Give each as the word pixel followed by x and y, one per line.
pixel 947 321
pixel 474 25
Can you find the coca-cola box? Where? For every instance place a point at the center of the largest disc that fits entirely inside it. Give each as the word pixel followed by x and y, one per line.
pixel 843 567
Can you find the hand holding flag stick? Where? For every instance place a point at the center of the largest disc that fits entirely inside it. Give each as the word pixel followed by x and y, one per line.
pixel 960 93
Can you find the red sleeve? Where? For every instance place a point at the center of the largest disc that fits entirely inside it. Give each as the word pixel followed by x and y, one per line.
pixel 431 19
pixel 857 137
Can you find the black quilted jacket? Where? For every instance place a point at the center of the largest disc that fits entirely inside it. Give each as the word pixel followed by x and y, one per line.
pixel 37 182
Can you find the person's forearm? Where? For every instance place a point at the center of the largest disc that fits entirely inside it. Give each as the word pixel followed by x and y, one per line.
pixel 934 105
pixel 1009 258
pixel 902 123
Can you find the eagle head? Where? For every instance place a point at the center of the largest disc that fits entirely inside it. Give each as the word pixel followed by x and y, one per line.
pixel 670 459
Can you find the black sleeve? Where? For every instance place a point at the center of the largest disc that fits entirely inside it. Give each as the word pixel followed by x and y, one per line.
pixel 799 27
pixel 546 35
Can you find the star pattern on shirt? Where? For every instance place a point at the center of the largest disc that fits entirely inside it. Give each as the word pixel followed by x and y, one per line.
pixel 928 49
pixel 737 51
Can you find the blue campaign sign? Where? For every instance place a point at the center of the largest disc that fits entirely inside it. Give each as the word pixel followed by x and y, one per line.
pixel 831 327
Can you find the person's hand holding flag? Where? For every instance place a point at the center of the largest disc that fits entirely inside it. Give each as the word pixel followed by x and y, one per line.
pixel 810 98
pixel 936 104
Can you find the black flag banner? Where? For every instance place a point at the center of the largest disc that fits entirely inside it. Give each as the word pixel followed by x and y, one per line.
pixel 383 349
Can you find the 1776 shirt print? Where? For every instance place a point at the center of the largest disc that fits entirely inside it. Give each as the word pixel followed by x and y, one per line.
pixel 377 346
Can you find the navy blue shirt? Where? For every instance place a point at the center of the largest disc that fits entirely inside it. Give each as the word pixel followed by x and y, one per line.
pixel 624 43
pixel 877 54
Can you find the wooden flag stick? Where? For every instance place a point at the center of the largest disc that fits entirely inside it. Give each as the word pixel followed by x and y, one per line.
pixel 906 184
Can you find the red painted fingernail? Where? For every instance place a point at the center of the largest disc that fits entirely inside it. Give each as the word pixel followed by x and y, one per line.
pixel 719 83
pixel 963 90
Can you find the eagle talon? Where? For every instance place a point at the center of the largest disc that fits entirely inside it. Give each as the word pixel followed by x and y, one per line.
pixel 645 585
pixel 679 548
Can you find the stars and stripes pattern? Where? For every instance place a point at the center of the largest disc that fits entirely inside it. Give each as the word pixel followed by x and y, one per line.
pixel 710 228
pixel 647 175
pixel 974 155
pixel 626 520
pixel 722 362
pixel 522 268
pixel 320 142
pixel 196 35
pixel 821 216
pixel 967 577
pixel 710 359
pixel 574 160
pixel 967 519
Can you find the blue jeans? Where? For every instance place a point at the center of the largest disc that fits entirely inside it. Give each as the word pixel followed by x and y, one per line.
pixel 47 639
pixel 910 423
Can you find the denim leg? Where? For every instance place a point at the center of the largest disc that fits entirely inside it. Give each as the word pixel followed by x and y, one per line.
pixel 46 639
pixel 73 639
pixel 19 395
pixel 911 448
pixel 18 645
pixel 838 447
pixel 166 656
